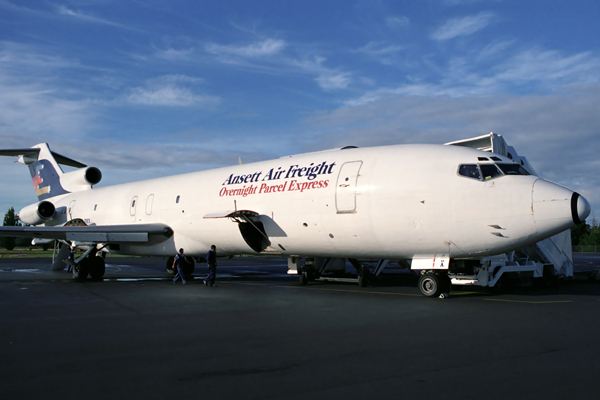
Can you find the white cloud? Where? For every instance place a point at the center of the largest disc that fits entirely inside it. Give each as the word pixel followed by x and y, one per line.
pixel 264 48
pixel 176 78
pixel 81 16
pixel 332 82
pixel 397 21
pixel 268 56
pixel 550 71
pixel 383 52
pixel 462 26
pixel 175 54
pixel 32 99
pixel 169 95
pixel 170 91
pixel 20 58
pixel 551 67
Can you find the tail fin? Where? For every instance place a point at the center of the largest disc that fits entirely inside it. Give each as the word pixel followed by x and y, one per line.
pixel 44 168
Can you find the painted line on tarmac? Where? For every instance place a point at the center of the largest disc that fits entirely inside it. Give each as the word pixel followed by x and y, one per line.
pixel 398 294
pixel 331 290
pixel 531 302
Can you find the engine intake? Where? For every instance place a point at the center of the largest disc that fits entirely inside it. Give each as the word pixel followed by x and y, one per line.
pixel 81 179
pixel 38 213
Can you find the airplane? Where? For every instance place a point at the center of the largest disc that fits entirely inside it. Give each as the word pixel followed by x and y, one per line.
pixel 430 204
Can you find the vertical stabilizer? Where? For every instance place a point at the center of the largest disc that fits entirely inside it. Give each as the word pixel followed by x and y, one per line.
pixel 45 173
pixel 49 180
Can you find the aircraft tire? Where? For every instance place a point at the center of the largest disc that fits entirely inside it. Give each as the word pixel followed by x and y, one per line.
pixel 97 267
pixel 81 270
pixel 430 285
pixel 304 278
pixel 169 266
pixel 188 269
pixel 362 281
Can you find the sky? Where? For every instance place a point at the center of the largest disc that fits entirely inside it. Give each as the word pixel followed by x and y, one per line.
pixel 151 88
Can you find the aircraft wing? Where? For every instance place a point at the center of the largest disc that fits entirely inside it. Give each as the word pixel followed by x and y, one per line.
pixel 132 233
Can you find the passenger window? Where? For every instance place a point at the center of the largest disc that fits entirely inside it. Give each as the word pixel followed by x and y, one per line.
pixel 489 171
pixel 470 171
pixel 177 200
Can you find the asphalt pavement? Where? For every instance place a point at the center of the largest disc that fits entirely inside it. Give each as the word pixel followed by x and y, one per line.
pixel 261 335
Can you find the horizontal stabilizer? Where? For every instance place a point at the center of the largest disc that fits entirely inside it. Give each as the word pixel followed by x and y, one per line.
pixel 32 153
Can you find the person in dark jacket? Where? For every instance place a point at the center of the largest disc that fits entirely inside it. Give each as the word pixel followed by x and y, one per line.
pixel 211 258
pixel 178 262
pixel 70 257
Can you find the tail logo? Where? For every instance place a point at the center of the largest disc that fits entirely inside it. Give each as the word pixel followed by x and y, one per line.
pixel 38 181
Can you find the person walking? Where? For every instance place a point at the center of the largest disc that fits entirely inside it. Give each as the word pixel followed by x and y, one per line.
pixel 211 258
pixel 70 257
pixel 178 262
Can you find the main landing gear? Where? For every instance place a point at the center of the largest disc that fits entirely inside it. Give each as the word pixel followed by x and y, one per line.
pixel 91 263
pixel 94 266
pixel 434 284
pixel 331 269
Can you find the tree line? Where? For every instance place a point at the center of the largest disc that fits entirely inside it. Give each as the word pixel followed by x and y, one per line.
pixel 586 234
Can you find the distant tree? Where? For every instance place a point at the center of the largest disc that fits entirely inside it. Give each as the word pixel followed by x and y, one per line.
pixel 10 219
pixel 579 232
pixel 593 239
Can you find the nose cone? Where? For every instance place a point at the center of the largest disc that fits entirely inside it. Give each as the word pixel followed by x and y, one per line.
pixel 580 208
pixel 556 208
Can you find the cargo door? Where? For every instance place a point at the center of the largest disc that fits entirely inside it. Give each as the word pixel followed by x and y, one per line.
pixel 345 191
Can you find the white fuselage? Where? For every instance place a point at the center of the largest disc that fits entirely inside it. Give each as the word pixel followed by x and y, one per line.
pixel 389 202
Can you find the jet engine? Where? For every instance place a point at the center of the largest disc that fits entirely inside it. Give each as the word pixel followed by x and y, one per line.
pixel 81 179
pixel 37 213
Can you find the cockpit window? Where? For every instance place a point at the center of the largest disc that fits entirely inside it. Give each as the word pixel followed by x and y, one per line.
pixel 489 171
pixel 470 171
pixel 512 169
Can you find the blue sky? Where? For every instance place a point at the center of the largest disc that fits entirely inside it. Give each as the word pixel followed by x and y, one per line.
pixel 150 88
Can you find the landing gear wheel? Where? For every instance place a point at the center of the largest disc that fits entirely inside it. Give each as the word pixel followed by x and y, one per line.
pixel 304 278
pixel 81 270
pixel 169 265
pixel 362 281
pixel 430 285
pixel 188 269
pixel 97 267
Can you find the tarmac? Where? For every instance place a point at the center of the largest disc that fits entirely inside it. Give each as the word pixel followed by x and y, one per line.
pixel 262 335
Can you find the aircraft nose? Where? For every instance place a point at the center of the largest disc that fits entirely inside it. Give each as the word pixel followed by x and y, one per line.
pixel 580 208
pixel 556 208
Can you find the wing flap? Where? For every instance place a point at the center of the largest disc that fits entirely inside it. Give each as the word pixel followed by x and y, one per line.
pixel 134 233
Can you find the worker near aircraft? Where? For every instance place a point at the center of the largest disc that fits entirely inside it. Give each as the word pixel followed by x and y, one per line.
pixel 211 258
pixel 70 257
pixel 178 262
